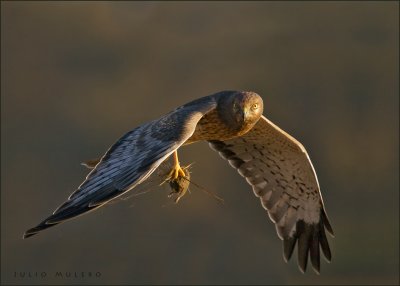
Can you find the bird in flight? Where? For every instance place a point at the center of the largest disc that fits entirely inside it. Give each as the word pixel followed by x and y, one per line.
pixel 275 164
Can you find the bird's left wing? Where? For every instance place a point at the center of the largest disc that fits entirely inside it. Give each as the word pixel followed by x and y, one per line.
pixel 279 169
pixel 130 161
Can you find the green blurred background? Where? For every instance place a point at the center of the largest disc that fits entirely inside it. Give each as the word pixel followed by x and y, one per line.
pixel 76 76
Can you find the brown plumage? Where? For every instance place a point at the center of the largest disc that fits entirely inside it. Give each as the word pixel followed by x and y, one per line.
pixel 221 124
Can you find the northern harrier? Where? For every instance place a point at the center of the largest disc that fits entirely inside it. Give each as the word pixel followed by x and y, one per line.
pixel 274 163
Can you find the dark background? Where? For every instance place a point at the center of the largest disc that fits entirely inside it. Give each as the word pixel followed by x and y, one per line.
pixel 76 76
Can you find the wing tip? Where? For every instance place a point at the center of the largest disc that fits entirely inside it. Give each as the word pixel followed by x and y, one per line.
pixel 309 238
pixel 302 270
pixel 326 222
pixel 317 271
pixel 28 234
pixel 35 230
pixel 288 247
pixel 285 258
pixel 56 218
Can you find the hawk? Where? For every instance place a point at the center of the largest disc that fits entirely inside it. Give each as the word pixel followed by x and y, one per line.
pixel 275 164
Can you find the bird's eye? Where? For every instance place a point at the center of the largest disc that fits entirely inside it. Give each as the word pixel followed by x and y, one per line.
pixel 254 106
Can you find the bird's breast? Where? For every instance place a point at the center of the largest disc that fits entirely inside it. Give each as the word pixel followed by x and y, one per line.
pixel 211 127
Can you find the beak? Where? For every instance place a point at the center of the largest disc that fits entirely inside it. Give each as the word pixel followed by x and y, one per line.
pixel 245 114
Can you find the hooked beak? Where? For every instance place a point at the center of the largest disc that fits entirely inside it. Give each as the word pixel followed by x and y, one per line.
pixel 242 116
pixel 245 114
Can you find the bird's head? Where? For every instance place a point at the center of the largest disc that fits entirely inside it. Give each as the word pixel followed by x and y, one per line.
pixel 240 109
pixel 247 107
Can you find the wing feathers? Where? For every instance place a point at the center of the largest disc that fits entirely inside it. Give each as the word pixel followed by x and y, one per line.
pixel 325 245
pixel 278 211
pixel 326 222
pixel 130 161
pixel 314 251
pixel 279 170
pixel 288 247
pixel 303 244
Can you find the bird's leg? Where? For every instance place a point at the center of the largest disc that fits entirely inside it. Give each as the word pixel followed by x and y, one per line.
pixel 178 179
pixel 176 171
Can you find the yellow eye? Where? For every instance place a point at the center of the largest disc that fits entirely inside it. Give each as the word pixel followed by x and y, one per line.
pixel 254 106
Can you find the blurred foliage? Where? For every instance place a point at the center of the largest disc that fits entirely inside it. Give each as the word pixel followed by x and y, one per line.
pixel 77 75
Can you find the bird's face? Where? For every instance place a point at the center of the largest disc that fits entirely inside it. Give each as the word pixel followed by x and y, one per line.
pixel 247 107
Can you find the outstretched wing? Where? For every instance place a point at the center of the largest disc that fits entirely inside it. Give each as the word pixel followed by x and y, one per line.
pixel 278 168
pixel 130 161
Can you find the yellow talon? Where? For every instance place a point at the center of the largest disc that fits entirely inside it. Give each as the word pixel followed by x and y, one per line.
pixel 176 171
pixel 181 173
pixel 178 179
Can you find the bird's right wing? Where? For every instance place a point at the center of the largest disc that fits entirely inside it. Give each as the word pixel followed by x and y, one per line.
pixel 130 161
